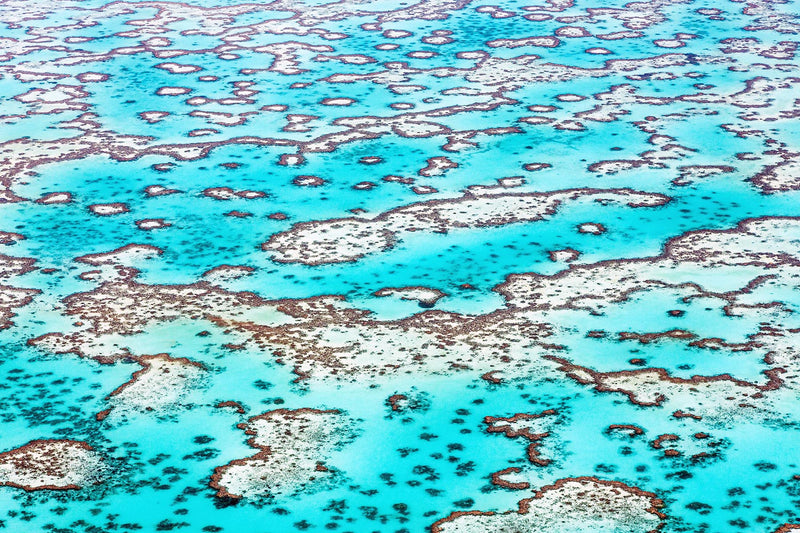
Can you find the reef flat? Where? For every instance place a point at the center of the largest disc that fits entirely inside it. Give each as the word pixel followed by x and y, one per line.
pixel 390 267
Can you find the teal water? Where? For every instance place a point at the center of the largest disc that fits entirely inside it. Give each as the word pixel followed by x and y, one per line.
pixel 402 470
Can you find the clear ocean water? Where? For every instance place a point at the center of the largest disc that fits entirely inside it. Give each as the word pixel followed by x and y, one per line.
pixel 666 86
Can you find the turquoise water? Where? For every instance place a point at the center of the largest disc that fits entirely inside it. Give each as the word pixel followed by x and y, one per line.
pixel 729 301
